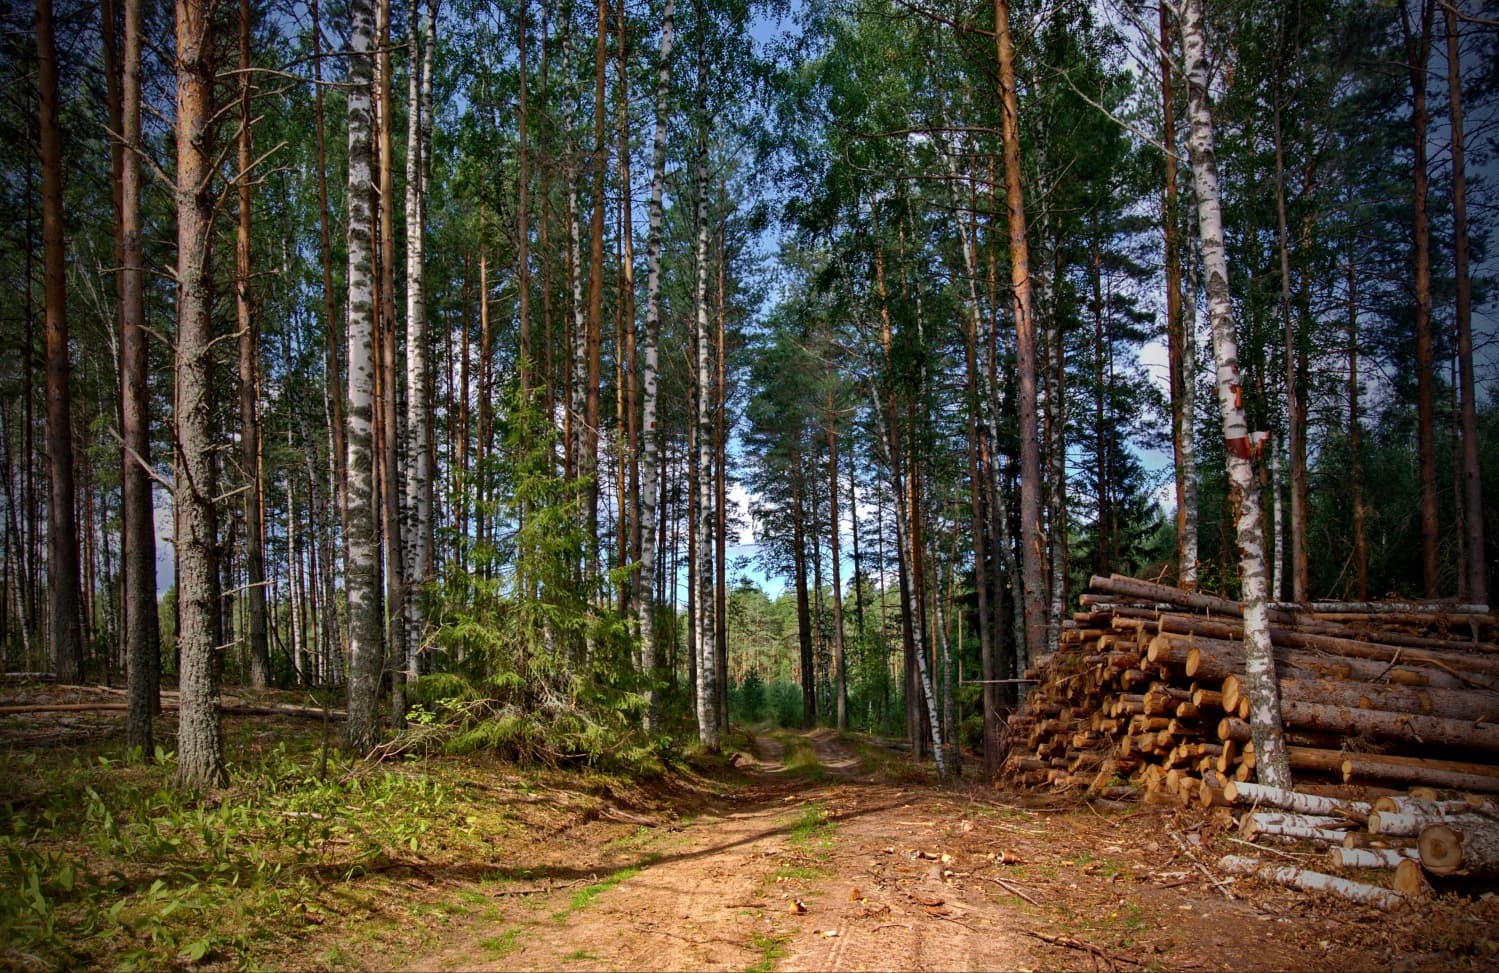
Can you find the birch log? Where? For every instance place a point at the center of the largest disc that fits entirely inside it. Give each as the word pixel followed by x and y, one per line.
pixel 1302 878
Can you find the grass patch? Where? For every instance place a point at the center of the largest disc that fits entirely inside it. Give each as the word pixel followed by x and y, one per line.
pixel 584 897
pixel 813 829
pixel 498 947
pixel 770 948
pixel 801 873
pixel 579 956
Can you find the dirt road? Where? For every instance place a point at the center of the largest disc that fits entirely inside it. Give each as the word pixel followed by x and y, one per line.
pixel 823 865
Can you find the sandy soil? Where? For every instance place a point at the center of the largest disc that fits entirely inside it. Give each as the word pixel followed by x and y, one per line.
pixel 845 870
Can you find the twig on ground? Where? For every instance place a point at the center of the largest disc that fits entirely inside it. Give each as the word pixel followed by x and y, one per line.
pixel 1200 866
pixel 1068 942
pixel 1011 889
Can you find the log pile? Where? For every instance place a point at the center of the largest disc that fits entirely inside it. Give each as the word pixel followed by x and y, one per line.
pixel 1146 696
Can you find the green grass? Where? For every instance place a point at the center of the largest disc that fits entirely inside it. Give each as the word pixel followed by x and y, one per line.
pixel 813 829
pixel 770 948
pixel 498 947
pixel 584 897
pixel 579 956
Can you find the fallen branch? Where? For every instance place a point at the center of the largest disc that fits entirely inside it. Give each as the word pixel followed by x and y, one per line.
pixel 1068 942
pixel 1020 893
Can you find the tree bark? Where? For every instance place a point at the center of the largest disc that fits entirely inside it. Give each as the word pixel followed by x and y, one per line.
pixel 362 575
pixel 650 652
pixel 416 534
pixel 1272 766
pixel 1473 519
pixel 1355 435
pixel 1181 388
pixel 1295 414
pixel 1418 52
pixel 335 381
pixel 707 684
pixel 1033 539
pixel 595 294
pixel 142 640
pixel 66 642
pixel 200 740
pixel 840 664
pixel 249 381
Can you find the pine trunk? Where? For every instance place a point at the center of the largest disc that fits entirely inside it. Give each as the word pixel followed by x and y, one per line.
pixel 1473 518
pixel 1418 51
pixel 1272 765
pixel 142 641
pixel 200 739
pixel 1032 538
pixel 62 528
pixel 249 382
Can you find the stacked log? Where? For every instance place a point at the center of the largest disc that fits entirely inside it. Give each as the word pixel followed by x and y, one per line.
pixel 1146 694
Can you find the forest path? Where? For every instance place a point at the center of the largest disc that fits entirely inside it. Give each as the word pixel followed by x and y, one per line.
pixel 820 867
pixel 819 858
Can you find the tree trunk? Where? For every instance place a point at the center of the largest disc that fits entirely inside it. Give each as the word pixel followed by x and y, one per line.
pixel 1181 391
pixel 650 653
pixel 1295 414
pixel 1477 567
pixel 62 528
pixel 1418 52
pixel 200 740
pixel 366 648
pixel 1355 433
pixel 707 683
pixel 416 534
pixel 249 381
pixel 595 295
pixel 803 616
pixel 335 381
pixel 840 664
pixel 1033 539
pixel 138 541
pixel 721 499
pixel 1273 767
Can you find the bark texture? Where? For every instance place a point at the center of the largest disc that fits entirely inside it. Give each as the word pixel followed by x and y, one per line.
pixel 66 633
pixel 1032 537
pixel 650 654
pixel 1273 766
pixel 200 739
pixel 366 646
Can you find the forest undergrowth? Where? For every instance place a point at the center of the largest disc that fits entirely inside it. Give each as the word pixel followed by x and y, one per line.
pixel 107 865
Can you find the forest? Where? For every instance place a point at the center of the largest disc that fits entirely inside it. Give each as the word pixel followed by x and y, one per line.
pixel 383 348
pixel 582 382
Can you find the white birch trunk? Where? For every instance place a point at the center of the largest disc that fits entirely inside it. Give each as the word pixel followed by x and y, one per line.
pixel 417 533
pixel 1272 765
pixel 650 659
pixel 704 642
pixel 362 574
pixel 1189 421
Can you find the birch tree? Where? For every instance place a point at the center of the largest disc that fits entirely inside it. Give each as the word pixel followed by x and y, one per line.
pixel 366 645
pixel 417 534
pixel 650 653
pixel 1259 662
